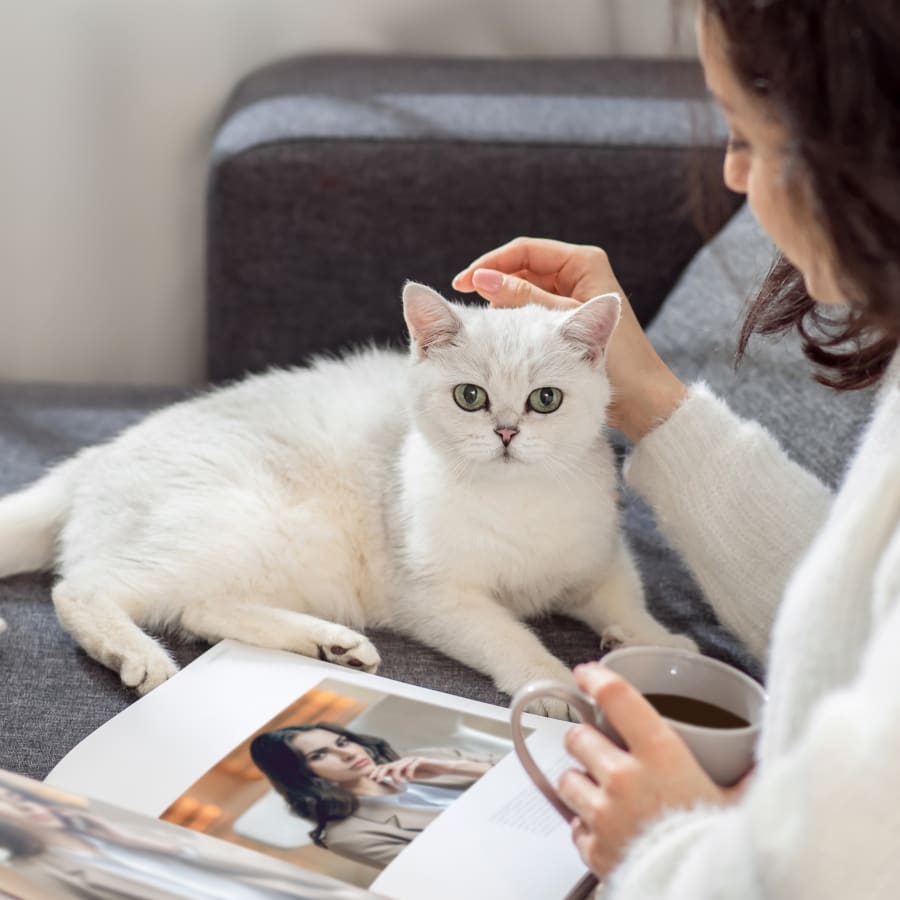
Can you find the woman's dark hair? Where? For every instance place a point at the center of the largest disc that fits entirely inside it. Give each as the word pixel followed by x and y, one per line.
pixel 314 798
pixel 829 71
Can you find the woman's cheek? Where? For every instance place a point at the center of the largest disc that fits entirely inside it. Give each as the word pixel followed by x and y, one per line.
pixel 769 205
pixel 734 172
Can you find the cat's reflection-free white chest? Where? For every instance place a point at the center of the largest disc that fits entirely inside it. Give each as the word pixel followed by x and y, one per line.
pixel 521 538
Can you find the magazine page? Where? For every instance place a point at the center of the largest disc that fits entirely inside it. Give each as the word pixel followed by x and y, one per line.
pixel 382 785
pixel 54 844
pixel 504 840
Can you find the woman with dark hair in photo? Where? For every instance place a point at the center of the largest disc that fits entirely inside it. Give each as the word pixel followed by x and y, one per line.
pixel 367 802
pixel 807 578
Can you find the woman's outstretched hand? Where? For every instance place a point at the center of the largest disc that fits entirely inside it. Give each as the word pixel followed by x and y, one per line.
pixel 560 276
pixel 621 791
pixel 408 768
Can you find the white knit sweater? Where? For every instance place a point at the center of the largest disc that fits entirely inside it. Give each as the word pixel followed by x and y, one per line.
pixel 766 541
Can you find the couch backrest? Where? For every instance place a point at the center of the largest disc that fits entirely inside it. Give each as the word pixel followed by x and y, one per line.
pixel 335 179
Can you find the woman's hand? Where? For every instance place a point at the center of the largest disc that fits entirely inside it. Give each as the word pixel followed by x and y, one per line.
pixel 622 791
pixel 407 768
pixel 560 276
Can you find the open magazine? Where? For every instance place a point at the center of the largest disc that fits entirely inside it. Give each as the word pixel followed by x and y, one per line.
pixel 267 765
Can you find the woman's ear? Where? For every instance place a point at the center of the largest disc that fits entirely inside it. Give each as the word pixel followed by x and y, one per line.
pixel 591 325
pixel 431 320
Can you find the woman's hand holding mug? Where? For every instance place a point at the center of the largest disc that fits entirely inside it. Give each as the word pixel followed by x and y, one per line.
pixel 560 276
pixel 636 762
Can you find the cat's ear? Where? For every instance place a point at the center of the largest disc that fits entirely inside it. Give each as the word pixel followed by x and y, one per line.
pixel 591 325
pixel 431 320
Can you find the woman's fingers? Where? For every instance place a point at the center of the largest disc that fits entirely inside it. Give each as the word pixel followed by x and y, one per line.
pixel 546 282
pixel 509 290
pixel 602 760
pixel 576 271
pixel 403 769
pixel 408 768
pixel 538 255
pixel 386 770
pixel 631 714
pixel 580 793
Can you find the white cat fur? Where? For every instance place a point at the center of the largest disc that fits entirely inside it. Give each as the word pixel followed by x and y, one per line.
pixel 298 506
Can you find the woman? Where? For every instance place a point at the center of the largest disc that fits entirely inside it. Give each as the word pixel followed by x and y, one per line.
pixel 810 89
pixel 368 803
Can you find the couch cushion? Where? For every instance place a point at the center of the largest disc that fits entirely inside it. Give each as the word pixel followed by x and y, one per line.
pixel 696 332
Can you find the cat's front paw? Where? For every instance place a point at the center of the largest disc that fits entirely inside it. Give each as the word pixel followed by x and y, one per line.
pixel 348 648
pixel 143 673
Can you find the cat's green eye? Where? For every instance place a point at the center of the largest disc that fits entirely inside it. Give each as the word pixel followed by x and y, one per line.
pixel 470 397
pixel 545 399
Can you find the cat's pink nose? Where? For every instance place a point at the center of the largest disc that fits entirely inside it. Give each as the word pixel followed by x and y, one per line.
pixel 506 434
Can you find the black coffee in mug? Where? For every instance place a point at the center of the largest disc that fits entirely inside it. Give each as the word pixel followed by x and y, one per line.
pixel 695 712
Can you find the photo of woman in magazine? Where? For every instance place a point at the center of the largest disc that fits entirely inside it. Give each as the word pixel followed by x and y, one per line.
pixel 366 801
pixel 55 845
pixel 343 779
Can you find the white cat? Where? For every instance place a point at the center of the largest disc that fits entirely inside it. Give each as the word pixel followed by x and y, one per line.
pixel 447 493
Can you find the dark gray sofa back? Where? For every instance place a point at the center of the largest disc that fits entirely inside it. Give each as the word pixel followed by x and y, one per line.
pixel 336 179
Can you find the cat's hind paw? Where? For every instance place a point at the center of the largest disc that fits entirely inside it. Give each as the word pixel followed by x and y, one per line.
pixel 612 637
pixel 352 650
pixel 143 673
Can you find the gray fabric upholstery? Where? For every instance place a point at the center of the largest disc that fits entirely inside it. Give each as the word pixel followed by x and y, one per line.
pixel 51 694
pixel 542 101
pixel 336 179
pixel 696 333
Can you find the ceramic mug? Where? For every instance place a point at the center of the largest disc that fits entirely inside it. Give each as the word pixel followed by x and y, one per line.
pixel 679 683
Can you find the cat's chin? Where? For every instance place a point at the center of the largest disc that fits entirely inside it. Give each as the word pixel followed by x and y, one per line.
pixel 509 462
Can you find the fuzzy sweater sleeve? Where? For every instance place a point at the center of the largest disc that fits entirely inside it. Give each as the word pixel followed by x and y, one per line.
pixel 820 821
pixel 731 502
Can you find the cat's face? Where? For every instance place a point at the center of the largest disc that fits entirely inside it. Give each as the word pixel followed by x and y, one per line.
pixel 499 389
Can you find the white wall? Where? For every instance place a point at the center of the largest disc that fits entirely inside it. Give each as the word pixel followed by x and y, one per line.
pixel 108 110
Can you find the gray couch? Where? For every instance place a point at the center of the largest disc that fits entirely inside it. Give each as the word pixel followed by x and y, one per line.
pixel 335 179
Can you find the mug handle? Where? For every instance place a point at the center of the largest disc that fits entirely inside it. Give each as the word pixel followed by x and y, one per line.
pixel 583 705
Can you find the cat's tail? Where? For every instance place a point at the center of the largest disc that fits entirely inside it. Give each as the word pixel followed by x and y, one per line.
pixel 30 522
